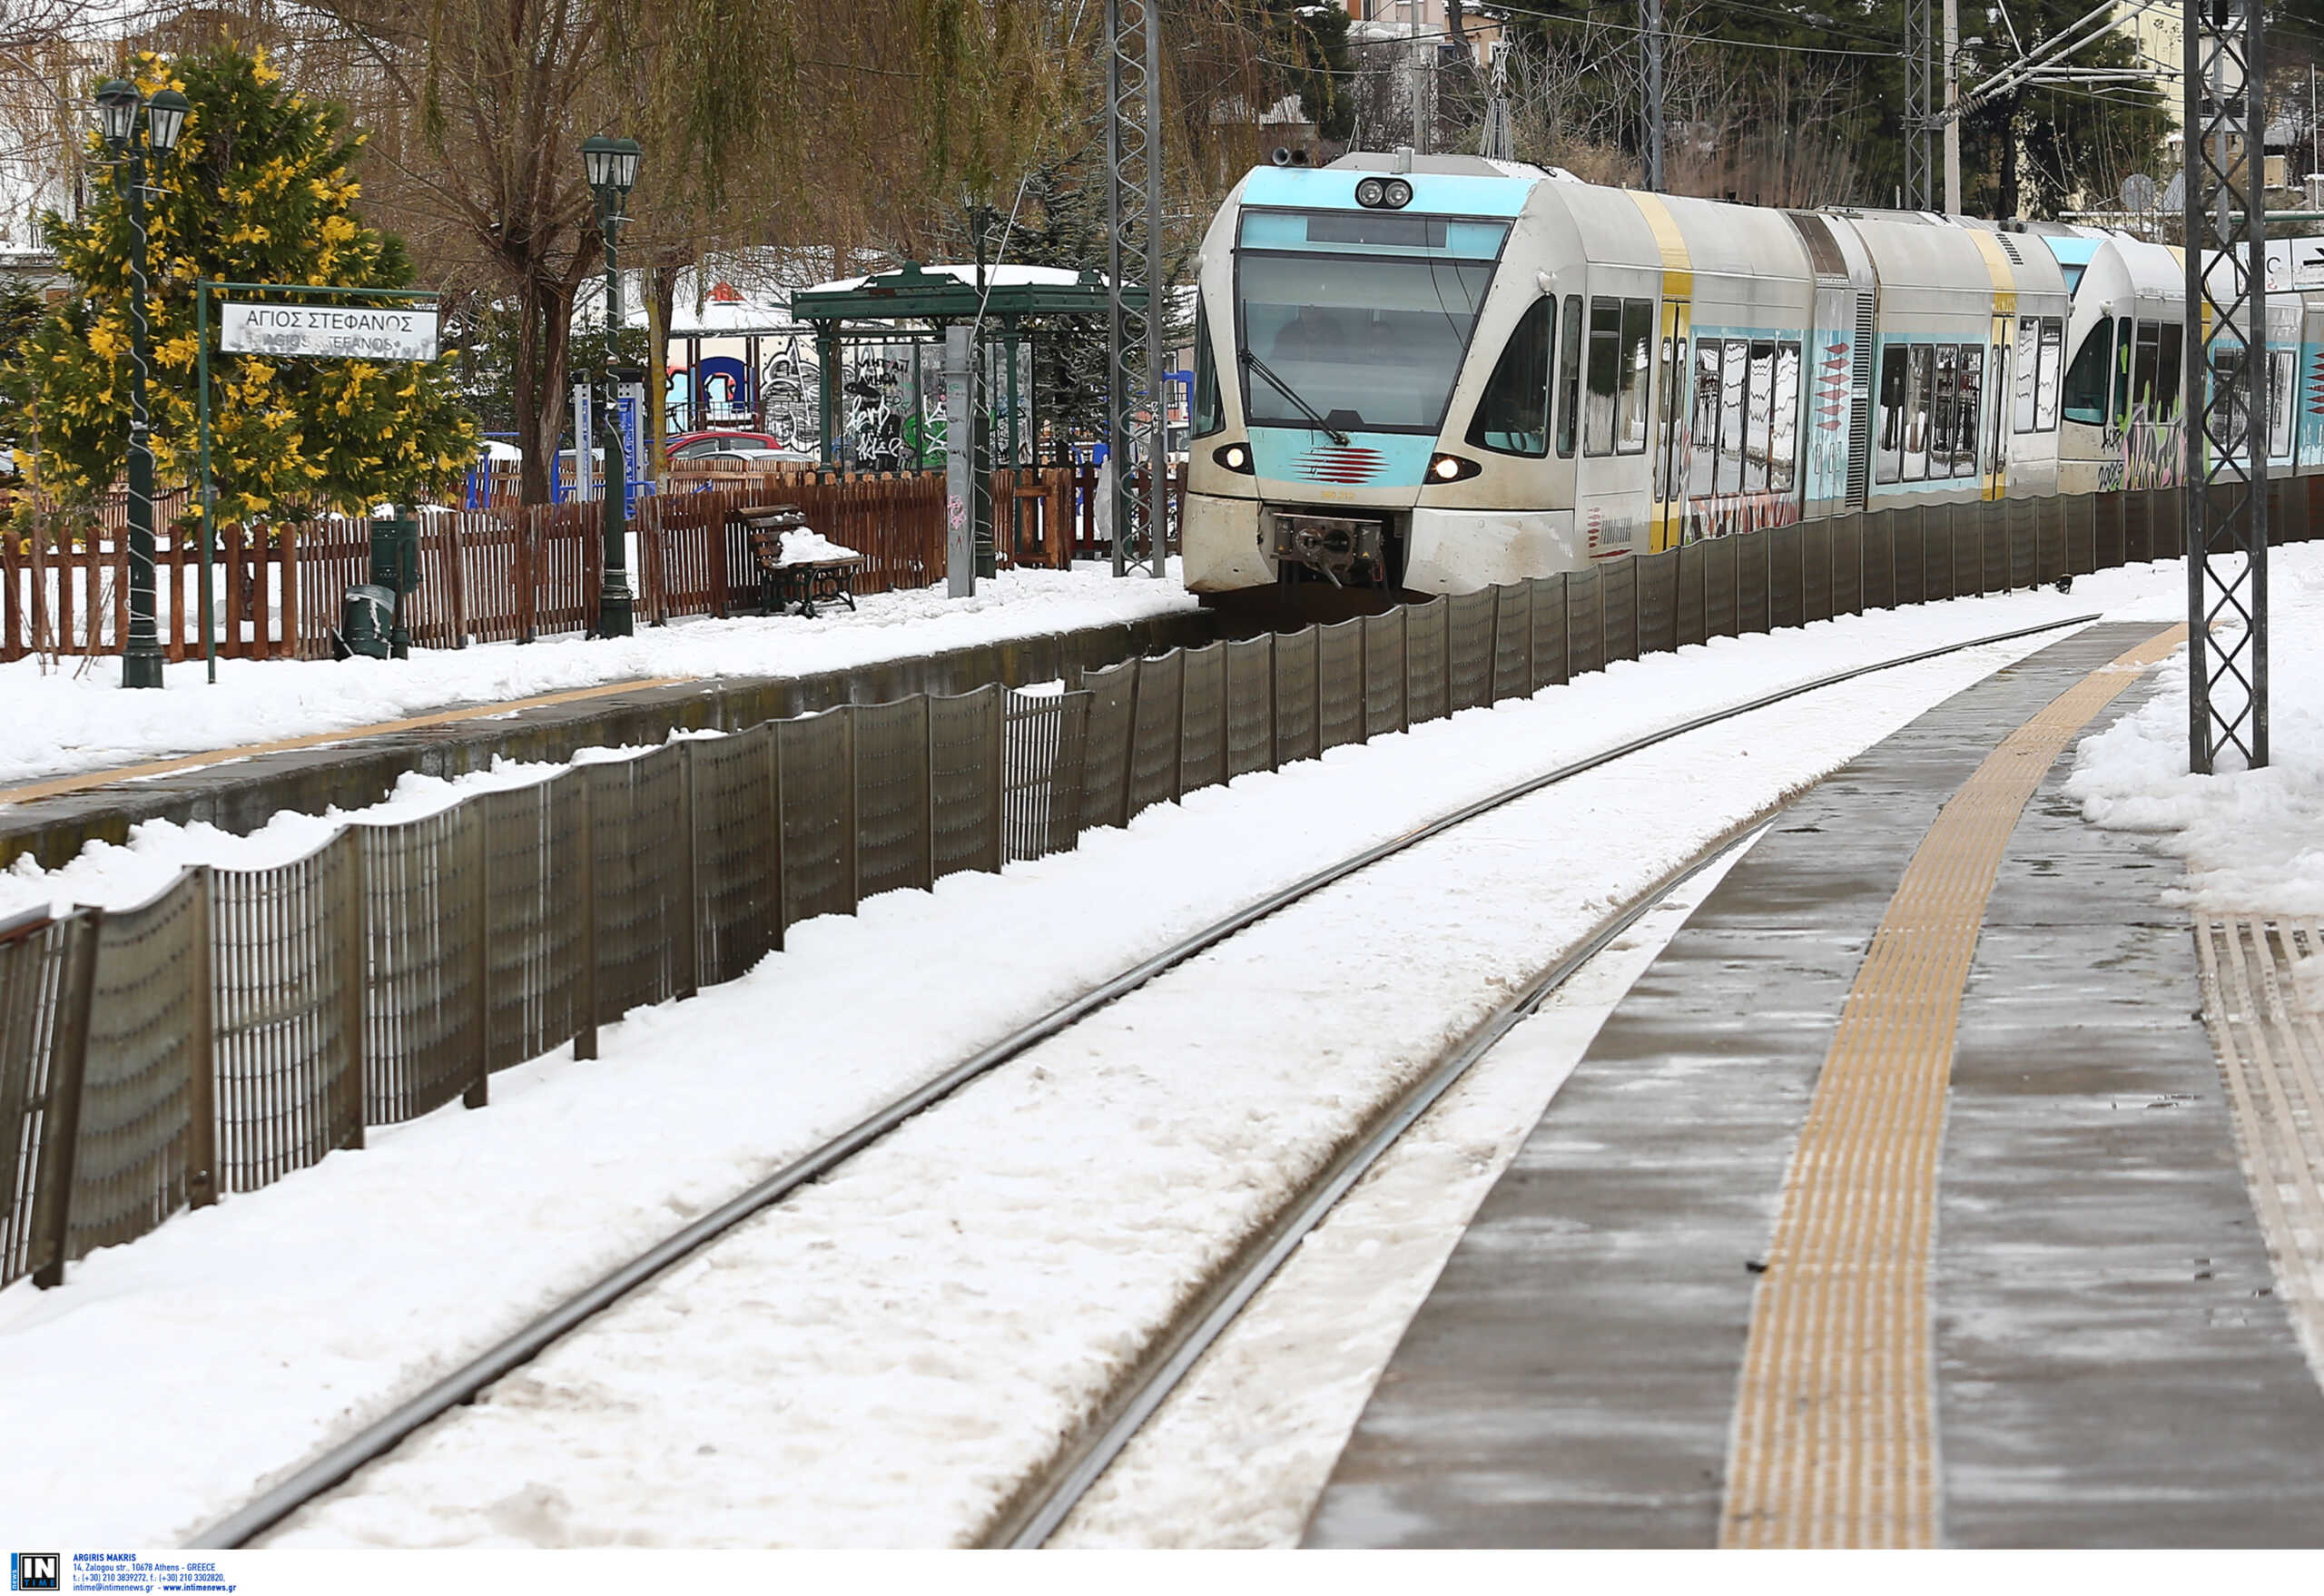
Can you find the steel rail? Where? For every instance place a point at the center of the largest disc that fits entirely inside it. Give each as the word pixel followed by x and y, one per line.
pixel 1037 1516
pixel 382 1434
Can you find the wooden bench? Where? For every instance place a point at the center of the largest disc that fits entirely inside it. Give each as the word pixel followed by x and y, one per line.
pixel 805 583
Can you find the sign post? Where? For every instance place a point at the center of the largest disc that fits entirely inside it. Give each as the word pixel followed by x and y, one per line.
pixel 405 329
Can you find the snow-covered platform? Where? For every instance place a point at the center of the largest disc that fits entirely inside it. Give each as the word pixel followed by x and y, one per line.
pixel 1899 1203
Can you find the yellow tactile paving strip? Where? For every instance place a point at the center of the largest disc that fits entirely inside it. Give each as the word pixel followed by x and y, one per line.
pixel 1834 1445
pixel 2271 1046
pixel 86 780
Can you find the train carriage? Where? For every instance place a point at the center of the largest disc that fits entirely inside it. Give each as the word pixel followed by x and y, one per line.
pixel 1430 374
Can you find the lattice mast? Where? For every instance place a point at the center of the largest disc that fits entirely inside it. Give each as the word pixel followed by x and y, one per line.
pixel 2225 474
pixel 1136 409
pixel 1497 139
pixel 1649 36
pixel 1919 107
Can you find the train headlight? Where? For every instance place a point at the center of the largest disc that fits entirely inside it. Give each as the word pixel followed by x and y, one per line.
pixel 1384 193
pixel 1452 468
pixel 1235 456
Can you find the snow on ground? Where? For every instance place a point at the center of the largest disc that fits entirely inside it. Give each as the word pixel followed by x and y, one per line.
pixel 1238 1454
pixel 881 1361
pixel 67 720
pixel 235 1342
pixel 2253 840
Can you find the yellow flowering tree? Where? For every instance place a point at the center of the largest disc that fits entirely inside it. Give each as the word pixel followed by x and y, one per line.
pixel 257 191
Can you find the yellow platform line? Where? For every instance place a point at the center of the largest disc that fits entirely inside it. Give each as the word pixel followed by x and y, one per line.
pixel 162 767
pixel 1833 1443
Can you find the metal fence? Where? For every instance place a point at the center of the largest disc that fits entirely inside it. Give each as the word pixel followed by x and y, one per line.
pixel 245 1024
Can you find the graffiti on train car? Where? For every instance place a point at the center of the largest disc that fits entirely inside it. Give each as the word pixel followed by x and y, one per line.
pixel 1725 514
pixel 2146 453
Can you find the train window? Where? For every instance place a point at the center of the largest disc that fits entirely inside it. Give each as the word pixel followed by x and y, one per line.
pixel 1917 405
pixel 2086 398
pixel 1667 482
pixel 1891 444
pixel 1638 372
pixel 1758 442
pixel 1946 411
pixel 2125 335
pixel 2045 379
pixel 1998 410
pixel 1734 409
pixel 1971 379
pixel 1702 424
pixel 1210 416
pixel 2167 397
pixel 1375 341
pixel 1783 447
pixel 1513 412
pixel 1570 378
pixel 2280 387
pixel 1605 376
pixel 2146 372
pixel 2029 339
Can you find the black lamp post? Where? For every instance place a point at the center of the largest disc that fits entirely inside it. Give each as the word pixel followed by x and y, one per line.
pixel 611 165
pixel 118 104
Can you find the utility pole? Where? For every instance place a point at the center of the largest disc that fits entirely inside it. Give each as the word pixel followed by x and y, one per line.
pixel 1915 121
pixel 1952 107
pixel 1134 227
pixel 1650 34
pixel 1421 53
pixel 2225 478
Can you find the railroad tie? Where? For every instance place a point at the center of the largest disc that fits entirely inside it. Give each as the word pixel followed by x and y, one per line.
pixel 1833 1442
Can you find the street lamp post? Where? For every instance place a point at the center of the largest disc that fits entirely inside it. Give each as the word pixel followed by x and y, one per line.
pixel 612 168
pixel 118 104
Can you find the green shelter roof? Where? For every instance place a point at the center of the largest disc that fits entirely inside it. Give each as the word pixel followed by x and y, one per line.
pixel 913 292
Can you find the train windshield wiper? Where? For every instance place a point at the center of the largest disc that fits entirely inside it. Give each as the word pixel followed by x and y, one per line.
pixel 1285 388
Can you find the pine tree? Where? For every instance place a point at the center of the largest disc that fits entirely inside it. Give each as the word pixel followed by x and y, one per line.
pixel 256 191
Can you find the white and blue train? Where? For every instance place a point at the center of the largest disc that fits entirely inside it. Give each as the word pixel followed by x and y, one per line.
pixel 1430 374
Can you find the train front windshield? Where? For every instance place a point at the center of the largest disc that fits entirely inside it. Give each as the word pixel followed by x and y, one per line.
pixel 1361 317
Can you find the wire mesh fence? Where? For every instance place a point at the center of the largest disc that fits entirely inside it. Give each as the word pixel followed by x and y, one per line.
pixel 241 1025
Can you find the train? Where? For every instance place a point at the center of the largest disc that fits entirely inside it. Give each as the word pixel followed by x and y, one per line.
pixel 1421 374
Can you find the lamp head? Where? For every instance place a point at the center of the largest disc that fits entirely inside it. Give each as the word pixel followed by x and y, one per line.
pixel 166 119
pixel 117 111
pixel 611 165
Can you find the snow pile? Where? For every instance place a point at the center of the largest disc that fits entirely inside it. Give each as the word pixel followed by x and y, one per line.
pixel 116 876
pixel 807 547
pixel 2253 840
pixel 75 720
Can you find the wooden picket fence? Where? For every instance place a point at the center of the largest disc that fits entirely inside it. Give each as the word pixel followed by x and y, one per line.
pixel 65 591
pixel 1082 494
pixel 512 573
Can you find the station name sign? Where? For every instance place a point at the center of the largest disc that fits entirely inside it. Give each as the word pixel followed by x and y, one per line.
pixel 345 333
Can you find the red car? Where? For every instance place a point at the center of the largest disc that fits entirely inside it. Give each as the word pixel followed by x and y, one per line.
pixel 686 446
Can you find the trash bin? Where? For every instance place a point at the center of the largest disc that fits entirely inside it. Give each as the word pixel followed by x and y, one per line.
pixel 366 623
pixel 395 571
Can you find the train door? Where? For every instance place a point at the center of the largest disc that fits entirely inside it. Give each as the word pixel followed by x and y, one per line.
pixel 1668 518
pixel 1995 482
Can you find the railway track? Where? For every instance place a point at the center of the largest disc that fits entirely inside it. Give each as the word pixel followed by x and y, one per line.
pixel 1036 1508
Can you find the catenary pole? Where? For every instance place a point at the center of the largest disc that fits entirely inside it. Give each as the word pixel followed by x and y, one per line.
pixel 2224 475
